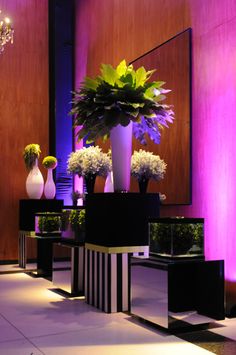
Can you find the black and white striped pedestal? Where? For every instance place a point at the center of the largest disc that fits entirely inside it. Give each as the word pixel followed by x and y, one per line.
pixel 71 278
pixel 22 247
pixel 107 276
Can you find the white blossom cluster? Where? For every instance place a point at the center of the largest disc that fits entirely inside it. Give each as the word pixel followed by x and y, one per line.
pixel 89 161
pixel 147 165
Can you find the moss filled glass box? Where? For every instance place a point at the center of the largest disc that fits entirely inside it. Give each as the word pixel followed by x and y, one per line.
pixel 48 223
pixel 177 237
pixel 73 224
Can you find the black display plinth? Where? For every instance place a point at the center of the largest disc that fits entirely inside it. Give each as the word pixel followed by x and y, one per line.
pixel 28 208
pixel 177 294
pixel 120 219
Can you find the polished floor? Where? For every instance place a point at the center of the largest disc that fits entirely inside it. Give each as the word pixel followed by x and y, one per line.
pixel 35 320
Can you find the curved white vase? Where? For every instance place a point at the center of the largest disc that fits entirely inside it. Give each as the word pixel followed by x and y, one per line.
pixel 109 187
pixel 121 150
pixel 50 187
pixel 35 183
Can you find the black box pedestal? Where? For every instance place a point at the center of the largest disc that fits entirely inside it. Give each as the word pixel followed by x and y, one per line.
pixel 116 227
pixel 28 208
pixel 119 219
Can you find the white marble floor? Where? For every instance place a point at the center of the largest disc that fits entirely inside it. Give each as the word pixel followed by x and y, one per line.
pixel 34 320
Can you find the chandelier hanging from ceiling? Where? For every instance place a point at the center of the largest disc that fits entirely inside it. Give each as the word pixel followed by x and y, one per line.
pixel 6 32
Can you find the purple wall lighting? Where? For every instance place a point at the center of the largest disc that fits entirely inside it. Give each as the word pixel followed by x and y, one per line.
pixel 214 153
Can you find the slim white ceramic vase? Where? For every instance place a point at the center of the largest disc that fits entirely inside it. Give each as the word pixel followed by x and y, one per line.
pixel 50 187
pixel 109 187
pixel 35 182
pixel 121 150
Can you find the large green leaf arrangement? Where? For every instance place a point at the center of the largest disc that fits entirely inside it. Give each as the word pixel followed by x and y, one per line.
pixel 117 96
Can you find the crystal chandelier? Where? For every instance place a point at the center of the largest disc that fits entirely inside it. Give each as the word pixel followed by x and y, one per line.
pixel 6 32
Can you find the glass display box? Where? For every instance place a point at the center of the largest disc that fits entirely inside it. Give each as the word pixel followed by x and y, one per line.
pixel 177 237
pixel 73 224
pixel 48 223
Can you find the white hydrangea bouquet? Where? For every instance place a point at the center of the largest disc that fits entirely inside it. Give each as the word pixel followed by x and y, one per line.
pixel 89 161
pixel 145 166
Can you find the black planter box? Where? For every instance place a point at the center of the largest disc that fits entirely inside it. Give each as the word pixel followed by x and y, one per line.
pixel 177 294
pixel 28 208
pixel 119 219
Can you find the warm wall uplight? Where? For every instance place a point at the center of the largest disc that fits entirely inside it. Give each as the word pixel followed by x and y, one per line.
pixel 6 32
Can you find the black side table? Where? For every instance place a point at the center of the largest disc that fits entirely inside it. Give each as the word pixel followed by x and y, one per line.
pixel 27 210
pixel 44 255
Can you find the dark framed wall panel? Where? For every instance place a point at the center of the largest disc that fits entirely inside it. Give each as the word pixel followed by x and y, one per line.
pixel 172 61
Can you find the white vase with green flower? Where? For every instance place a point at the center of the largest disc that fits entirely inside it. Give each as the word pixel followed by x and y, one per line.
pixel 121 98
pixel 34 181
pixel 50 163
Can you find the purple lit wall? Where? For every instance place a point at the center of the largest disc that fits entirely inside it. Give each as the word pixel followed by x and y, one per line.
pixel 214 130
pixel 120 35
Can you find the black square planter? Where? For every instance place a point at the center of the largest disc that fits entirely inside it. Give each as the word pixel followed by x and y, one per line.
pixel 120 219
pixel 28 208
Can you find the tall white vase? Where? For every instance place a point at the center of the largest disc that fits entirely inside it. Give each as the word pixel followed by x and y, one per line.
pixel 34 182
pixel 50 187
pixel 121 150
pixel 109 186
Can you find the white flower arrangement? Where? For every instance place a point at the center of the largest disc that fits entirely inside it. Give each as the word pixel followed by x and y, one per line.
pixel 146 165
pixel 89 161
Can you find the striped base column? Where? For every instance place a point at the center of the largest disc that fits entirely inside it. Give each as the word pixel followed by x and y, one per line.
pixel 77 269
pixel 22 247
pixel 107 279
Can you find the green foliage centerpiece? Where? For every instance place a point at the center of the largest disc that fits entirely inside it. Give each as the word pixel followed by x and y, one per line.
pixel 119 98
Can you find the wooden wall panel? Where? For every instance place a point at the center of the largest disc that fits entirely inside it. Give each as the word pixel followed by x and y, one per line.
pixel 118 29
pixel 23 109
